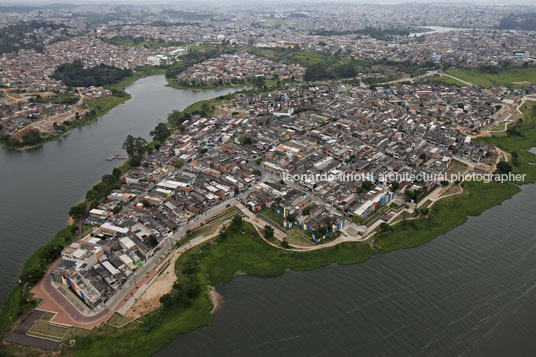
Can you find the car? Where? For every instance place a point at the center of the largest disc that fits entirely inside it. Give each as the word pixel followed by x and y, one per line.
pixel 228 205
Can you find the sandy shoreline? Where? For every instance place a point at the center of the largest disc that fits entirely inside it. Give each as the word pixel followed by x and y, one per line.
pixel 216 298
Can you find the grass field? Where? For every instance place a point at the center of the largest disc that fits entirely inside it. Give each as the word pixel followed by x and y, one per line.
pixel 298 237
pixel 438 80
pixel 44 329
pixel 456 167
pixel 514 77
pixel 118 320
pixel 426 204
pixel 271 214
pixel 451 190
pixel 228 212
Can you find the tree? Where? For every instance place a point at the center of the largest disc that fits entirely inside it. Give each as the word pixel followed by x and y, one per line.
pixel 161 132
pixel 410 194
pixel 395 185
pixel 77 211
pixel 357 219
pixel 268 232
pixel 31 137
pixel 245 140
pixel 503 167
pixel 259 82
pixel 317 72
pixel 152 241
pixel 134 146
pixel 285 244
pixel 514 131
pixel 385 227
pixel 134 161
pixel 223 234
pixel 367 185
pixel 75 75
pixel 116 173
pixel 167 300
pixel 109 180
pixel 140 144
pixel 237 221
pixel 129 146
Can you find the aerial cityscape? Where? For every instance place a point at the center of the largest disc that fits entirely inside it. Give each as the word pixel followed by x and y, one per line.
pixel 167 167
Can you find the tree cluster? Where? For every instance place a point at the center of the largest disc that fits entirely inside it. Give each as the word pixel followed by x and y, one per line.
pixel 161 132
pixel 75 75
pixel 519 22
pixel 135 147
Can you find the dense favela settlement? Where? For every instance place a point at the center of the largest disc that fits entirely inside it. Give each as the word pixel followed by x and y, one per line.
pixel 258 156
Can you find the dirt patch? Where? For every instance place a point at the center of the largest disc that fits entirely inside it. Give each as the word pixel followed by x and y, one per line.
pixel 150 299
pixel 522 83
pixel 224 108
pixel 216 298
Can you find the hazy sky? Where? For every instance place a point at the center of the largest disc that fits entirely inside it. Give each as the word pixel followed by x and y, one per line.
pixel 242 2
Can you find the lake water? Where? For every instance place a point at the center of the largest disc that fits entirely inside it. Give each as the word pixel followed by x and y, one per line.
pixel 437 29
pixel 470 292
pixel 37 187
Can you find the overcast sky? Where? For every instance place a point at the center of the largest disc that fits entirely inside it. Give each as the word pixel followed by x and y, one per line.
pixel 244 2
pixel 145 2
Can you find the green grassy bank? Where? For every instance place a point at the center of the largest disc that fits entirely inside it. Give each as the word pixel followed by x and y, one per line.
pixel 512 77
